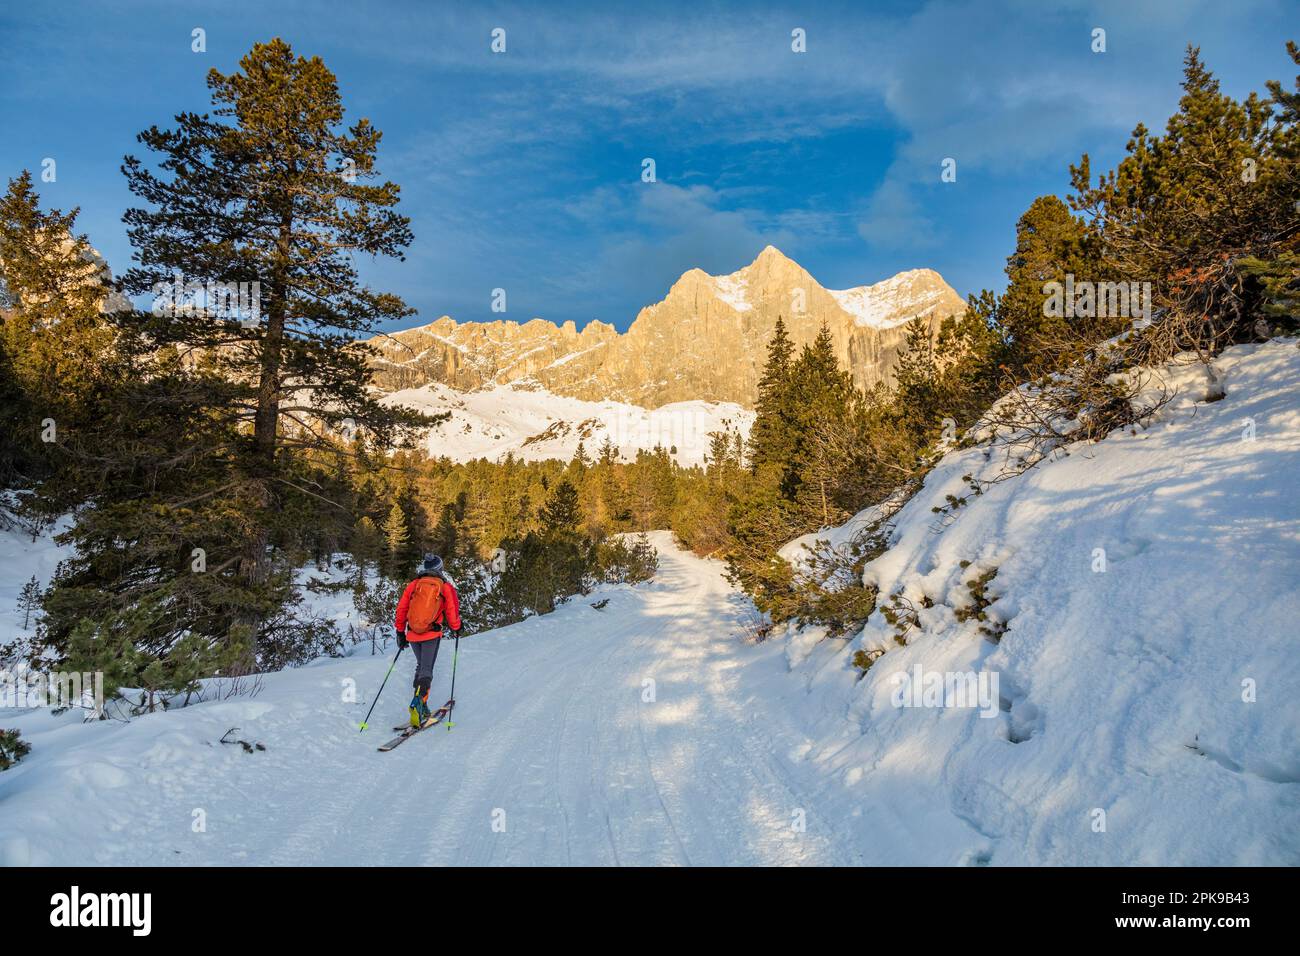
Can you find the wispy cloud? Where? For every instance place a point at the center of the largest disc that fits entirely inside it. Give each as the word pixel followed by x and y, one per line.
pixel 522 170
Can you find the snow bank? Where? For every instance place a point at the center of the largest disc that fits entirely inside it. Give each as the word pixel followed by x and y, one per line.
pixel 20 559
pixel 1148 681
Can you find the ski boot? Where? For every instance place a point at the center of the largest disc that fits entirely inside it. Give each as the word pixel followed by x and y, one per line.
pixel 419 710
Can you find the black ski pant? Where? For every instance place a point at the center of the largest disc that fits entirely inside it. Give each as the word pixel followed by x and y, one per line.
pixel 426 652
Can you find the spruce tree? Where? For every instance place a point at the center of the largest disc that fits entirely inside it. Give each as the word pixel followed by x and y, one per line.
pixel 772 436
pixel 561 512
pixel 397 538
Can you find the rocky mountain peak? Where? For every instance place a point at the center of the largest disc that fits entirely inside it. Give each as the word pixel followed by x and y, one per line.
pixel 706 339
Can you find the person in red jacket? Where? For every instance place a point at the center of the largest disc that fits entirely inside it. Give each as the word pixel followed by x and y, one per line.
pixel 429 608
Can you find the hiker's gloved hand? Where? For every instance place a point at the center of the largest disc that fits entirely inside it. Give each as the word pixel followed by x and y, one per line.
pixel 401 639
pixel 455 632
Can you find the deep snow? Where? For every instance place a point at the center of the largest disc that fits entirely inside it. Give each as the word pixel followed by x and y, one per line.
pixel 1119 691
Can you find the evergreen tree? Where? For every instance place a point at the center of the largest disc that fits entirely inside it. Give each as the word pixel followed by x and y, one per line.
pixel 1192 209
pixel 29 600
pixel 271 192
pixel 58 361
pixel 12 748
pixel 1051 244
pixel 397 538
pixel 826 406
pixel 561 512
pixel 773 435
pixel 221 449
pixel 366 545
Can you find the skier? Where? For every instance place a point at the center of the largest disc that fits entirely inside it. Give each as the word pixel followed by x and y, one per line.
pixel 429 608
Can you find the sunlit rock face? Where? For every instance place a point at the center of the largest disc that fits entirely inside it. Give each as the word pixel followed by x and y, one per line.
pixel 707 339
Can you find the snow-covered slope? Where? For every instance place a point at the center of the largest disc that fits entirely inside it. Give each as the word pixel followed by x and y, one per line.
pixel 532 423
pixel 21 559
pixel 1148 678
pixel 897 300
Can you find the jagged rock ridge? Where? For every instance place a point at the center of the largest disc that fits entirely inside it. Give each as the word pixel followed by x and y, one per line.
pixel 706 340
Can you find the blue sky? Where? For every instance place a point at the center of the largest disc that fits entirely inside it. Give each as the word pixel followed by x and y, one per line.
pixel 522 170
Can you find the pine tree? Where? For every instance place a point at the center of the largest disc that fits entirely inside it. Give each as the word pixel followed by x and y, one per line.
pixel 397 537
pixel 772 436
pixel 29 600
pixel 58 360
pixel 1051 244
pixel 49 277
pixel 561 512
pixel 271 192
pixel 366 544
pixel 217 465
pixel 1184 210
pixel 825 406
pixel 1277 275
pixel 12 748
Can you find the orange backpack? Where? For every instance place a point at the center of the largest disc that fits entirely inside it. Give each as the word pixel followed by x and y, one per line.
pixel 425 609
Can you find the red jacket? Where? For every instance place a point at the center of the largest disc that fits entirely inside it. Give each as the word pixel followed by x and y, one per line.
pixel 450 612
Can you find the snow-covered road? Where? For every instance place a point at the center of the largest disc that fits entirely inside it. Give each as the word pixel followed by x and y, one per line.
pixel 602 737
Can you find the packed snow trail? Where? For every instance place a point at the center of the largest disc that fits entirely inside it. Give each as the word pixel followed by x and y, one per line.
pixel 557 756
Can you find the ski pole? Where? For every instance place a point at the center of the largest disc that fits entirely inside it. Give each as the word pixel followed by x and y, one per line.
pixel 366 723
pixel 454 656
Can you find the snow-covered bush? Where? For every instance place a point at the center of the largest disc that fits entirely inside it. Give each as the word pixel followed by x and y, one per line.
pixel 12 748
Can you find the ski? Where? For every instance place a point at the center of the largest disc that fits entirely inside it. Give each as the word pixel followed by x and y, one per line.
pixel 408 732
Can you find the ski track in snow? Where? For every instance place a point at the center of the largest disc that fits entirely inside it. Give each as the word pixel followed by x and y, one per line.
pixel 550 728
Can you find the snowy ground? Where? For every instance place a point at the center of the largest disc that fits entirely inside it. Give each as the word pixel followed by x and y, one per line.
pixel 551 730
pixel 1147 713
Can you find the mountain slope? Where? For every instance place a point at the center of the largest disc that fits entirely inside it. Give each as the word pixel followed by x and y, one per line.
pixel 706 340
pixel 527 421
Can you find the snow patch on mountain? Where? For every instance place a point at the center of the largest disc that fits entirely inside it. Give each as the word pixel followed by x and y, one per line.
pixel 534 424
pixel 894 301
pixel 731 289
